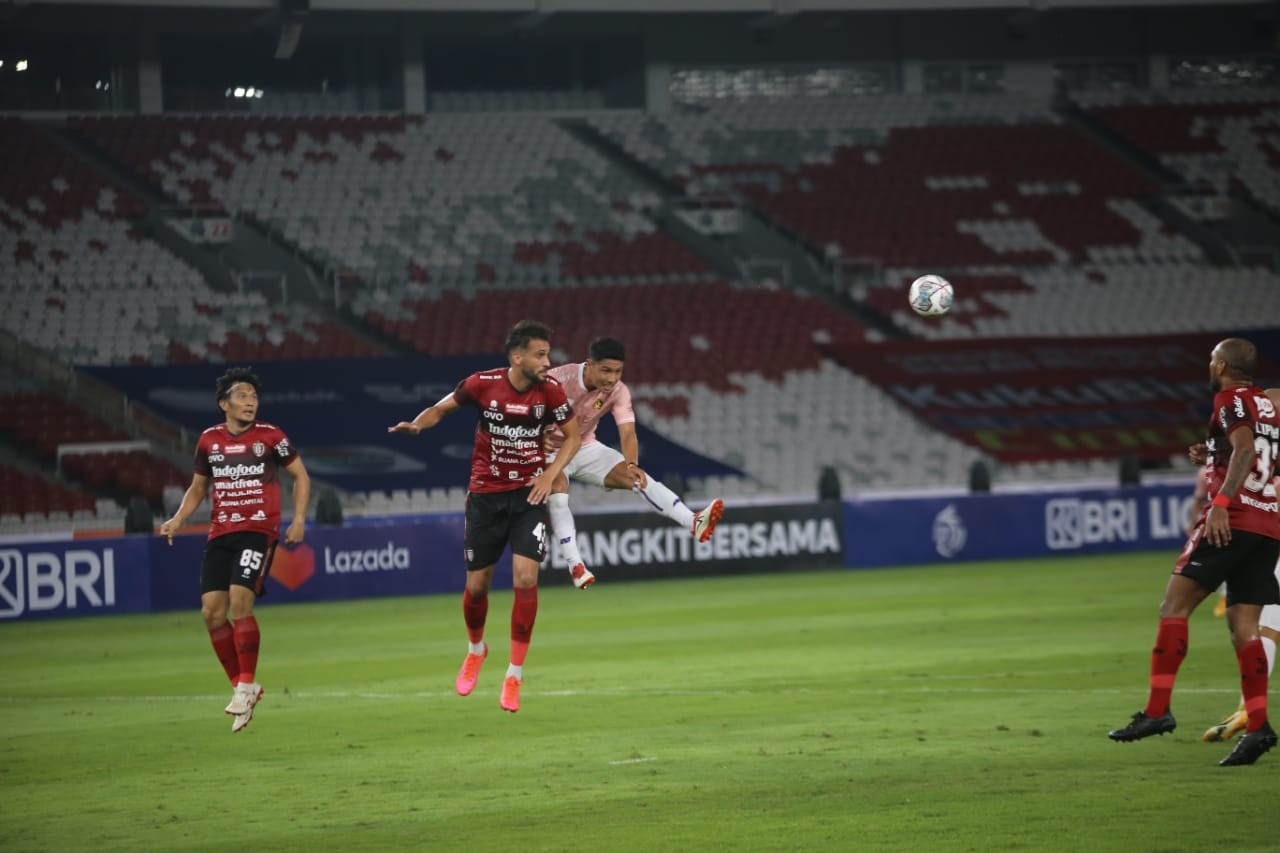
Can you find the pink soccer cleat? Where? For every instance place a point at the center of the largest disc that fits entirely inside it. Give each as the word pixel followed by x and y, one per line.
pixel 470 672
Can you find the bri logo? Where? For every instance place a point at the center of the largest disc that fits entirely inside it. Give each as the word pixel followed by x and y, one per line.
pixel 46 580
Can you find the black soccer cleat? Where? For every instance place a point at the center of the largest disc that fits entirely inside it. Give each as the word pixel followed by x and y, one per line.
pixel 1143 726
pixel 1251 747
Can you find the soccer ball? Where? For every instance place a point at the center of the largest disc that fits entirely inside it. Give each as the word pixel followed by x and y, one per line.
pixel 930 295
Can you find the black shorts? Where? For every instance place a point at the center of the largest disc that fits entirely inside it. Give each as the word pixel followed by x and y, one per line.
pixel 1247 564
pixel 495 518
pixel 243 559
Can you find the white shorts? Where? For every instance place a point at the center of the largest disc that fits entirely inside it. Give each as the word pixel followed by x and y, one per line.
pixel 1270 617
pixel 592 463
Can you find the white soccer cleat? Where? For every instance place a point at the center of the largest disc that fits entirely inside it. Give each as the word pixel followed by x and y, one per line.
pixel 242 704
pixel 704 523
pixel 582 577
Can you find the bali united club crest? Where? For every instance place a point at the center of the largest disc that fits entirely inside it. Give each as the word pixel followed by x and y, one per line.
pixel 538 411
pixel 259 448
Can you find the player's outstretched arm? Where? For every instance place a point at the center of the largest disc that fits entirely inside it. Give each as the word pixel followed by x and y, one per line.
pixel 301 496
pixel 191 500
pixel 428 417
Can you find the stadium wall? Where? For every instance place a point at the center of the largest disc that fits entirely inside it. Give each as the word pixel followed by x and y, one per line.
pixel 423 555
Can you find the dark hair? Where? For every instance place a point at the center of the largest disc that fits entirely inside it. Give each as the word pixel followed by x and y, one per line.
pixel 602 348
pixel 1241 357
pixel 235 375
pixel 524 332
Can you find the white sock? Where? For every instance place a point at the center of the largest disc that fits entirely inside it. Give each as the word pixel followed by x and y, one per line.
pixel 565 530
pixel 475 648
pixel 668 503
pixel 514 671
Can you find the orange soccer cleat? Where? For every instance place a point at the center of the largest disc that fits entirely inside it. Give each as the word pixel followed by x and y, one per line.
pixel 470 672
pixel 510 700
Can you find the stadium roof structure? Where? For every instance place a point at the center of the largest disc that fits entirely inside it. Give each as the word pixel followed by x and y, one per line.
pixel 551 7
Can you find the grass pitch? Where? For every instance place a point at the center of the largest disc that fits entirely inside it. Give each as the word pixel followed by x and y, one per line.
pixel 962 707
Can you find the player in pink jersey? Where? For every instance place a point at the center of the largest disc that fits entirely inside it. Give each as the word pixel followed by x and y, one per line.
pixel 510 481
pixel 1237 540
pixel 241 458
pixel 1268 623
pixel 595 387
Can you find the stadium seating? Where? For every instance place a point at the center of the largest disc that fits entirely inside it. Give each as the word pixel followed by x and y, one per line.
pixel 710 329
pixel 126 473
pixel 911 181
pixel 87 286
pixel 36 423
pixel 1219 140
pixel 455 201
pixel 1087 300
pixel 29 497
pixel 444 229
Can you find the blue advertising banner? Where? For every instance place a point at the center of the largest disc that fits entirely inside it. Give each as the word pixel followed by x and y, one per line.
pixel 336 412
pixel 423 555
pixel 43 579
pixel 334 563
pixel 756 538
pixel 993 527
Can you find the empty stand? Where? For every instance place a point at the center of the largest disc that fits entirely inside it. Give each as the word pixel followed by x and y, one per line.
pixel 455 201
pixel 1219 140
pixel 85 284
pixel 911 181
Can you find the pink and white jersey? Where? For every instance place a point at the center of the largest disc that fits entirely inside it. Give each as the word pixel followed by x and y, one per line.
pixel 590 405
pixel 244 474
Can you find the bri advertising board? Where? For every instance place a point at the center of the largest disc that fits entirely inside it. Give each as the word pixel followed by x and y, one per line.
pixel 144 573
pixel 994 527
pixel 43 579
pixel 424 555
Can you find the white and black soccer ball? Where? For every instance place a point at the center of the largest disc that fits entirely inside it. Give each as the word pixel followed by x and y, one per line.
pixel 931 295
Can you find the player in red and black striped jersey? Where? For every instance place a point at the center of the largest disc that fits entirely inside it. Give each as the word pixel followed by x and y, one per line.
pixel 241 459
pixel 509 485
pixel 1236 539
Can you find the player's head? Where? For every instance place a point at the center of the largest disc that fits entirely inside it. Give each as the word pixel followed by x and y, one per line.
pixel 605 358
pixel 1233 360
pixel 238 394
pixel 529 350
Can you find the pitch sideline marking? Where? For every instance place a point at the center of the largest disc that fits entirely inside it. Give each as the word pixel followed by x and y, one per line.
pixel 616 692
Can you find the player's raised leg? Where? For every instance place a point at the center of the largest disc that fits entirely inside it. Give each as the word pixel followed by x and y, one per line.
pixel 566 532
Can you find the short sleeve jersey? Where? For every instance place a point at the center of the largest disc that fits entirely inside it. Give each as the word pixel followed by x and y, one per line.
pixel 244 474
pixel 1254 507
pixel 590 405
pixel 508 448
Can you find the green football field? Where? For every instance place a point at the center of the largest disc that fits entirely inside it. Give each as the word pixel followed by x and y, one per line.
pixel 962 707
